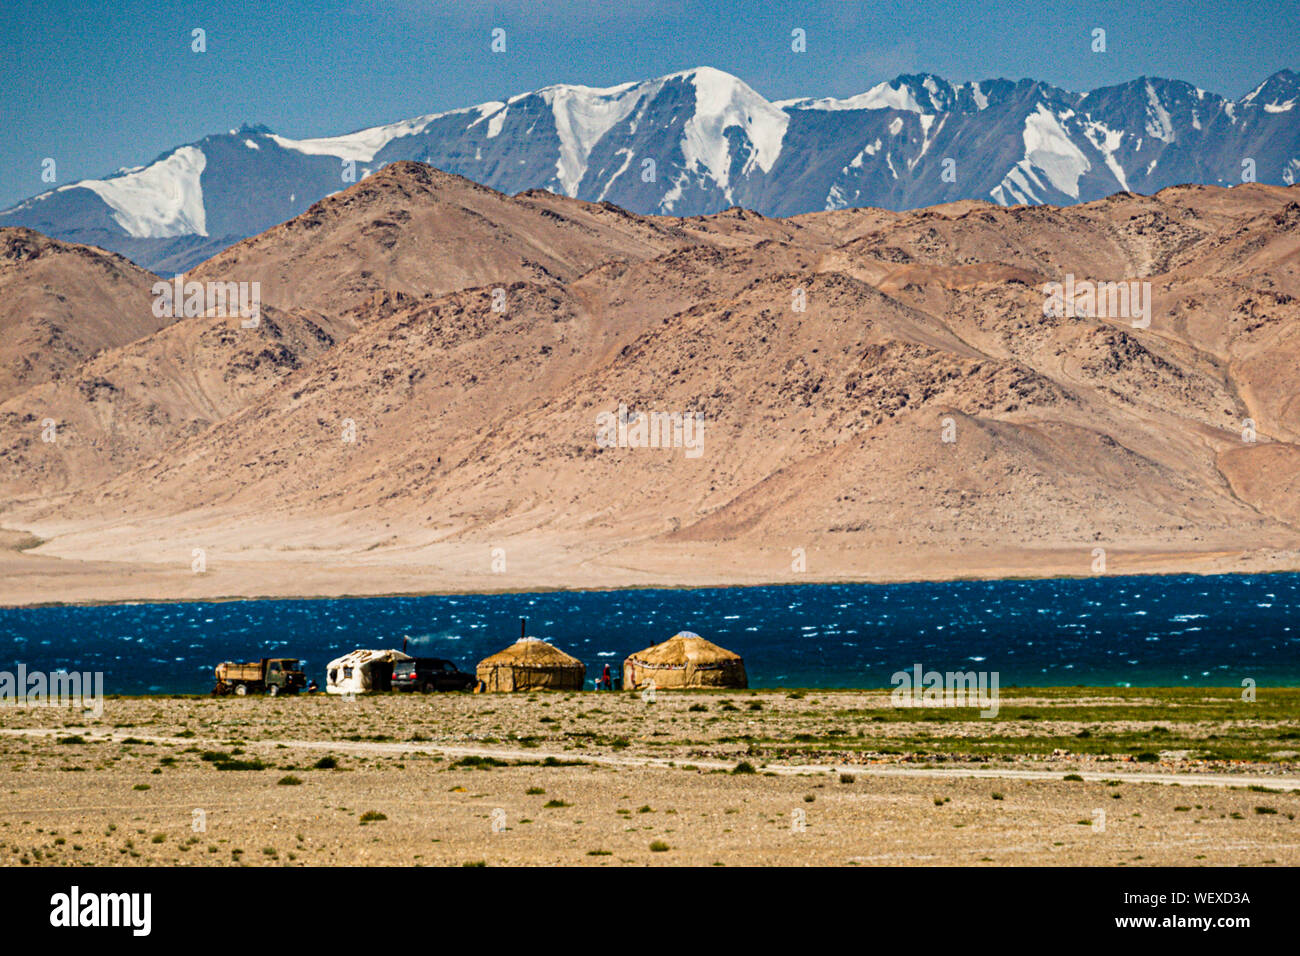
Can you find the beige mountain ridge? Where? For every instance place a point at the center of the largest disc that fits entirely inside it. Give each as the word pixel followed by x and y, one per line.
pixel 62 304
pixel 474 411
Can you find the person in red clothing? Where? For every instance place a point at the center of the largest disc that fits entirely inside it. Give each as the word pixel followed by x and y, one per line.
pixel 606 679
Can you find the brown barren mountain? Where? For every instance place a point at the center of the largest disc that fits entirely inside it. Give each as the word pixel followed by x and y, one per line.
pixel 62 303
pixel 882 398
pixel 416 230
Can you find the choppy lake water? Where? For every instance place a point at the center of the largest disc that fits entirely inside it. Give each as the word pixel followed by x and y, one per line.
pixel 1142 631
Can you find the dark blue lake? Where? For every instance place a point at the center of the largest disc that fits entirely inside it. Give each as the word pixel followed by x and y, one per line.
pixel 1141 631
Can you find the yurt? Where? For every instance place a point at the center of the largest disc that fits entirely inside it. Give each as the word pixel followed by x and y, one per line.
pixel 684 660
pixel 531 664
pixel 362 672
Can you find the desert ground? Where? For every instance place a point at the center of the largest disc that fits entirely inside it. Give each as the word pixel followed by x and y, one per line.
pixel 1061 777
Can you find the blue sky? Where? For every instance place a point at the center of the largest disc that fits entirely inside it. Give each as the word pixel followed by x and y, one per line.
pixel 98 85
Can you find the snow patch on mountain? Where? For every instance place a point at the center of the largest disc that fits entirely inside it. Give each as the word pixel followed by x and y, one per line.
pixel 583 115
pixel 1159 125
pixel 927 121
pixel 363 145
pixel 1106 141
pixel 159 201
pixel 497 121
pixel 1249 98
pixel 859 160
pixel 1016 187
pixel 1048 147
pixel 627 159
pixel 882 96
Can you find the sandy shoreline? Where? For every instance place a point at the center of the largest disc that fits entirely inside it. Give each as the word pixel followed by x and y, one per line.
pixel 31 578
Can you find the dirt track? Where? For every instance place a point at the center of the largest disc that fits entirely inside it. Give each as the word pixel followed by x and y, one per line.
pixel 1287 783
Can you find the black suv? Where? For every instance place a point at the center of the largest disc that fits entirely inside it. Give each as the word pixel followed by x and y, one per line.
pixel 430 673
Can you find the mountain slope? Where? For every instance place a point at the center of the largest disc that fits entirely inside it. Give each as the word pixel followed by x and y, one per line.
pixel 407 429
pixel 60 304
pixel 408 232
pixel 416 230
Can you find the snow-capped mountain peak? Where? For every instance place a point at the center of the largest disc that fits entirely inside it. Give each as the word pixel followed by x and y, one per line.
pixel 1278 94
pixel 700 140
pixel 721 103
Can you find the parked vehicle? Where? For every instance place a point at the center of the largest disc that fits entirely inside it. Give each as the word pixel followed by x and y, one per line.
pixel 427 674
pixel 270 675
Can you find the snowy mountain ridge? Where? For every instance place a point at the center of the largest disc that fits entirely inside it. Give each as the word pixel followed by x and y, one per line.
pixel 701 140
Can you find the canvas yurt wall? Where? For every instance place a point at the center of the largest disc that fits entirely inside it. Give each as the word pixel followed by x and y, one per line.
pixel 362 672
pixel 684 660
pixel 531 664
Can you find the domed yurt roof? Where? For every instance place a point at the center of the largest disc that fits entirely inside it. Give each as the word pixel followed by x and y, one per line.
pixel 684 660
pixel 532 652
pixel 685 647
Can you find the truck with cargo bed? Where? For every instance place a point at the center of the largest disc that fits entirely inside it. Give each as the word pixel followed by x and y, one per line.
pixel 270 675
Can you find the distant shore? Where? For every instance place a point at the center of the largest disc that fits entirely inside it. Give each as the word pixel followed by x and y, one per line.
pixel 77 569
pixel 524 591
